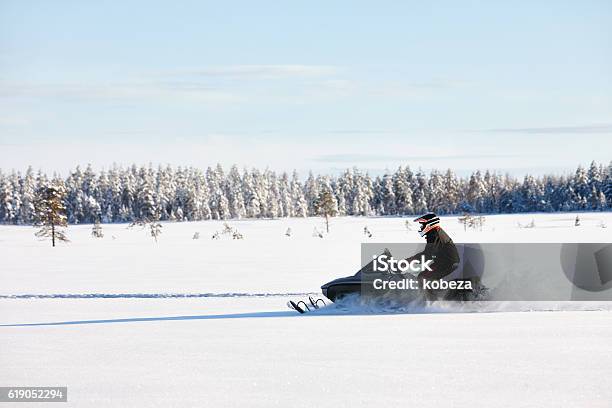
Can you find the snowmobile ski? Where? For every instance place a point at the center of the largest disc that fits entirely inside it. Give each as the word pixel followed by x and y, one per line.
pixel 315 302
pixel 297 306
pixel 303 307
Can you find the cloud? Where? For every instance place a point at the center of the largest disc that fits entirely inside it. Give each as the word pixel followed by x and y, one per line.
pixel 262 71
pixel 364 131
pixel 119 91
pixel 601 128
pixel 207 84
pixel 361 158
pixel 11 121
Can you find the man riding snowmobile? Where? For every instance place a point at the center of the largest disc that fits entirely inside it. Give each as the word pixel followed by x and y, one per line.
pixel 440 248
pixel 441 257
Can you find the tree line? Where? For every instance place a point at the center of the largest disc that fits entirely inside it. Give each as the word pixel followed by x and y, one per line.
pixel 189 194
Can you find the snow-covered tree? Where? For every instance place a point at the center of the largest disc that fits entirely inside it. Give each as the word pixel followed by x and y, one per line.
pixel 311 193
pixel 28 196
pixel 235 194
pixel 402 185
pixel 298 202
pixel 251 196
pixel 284 191
pixel 388 195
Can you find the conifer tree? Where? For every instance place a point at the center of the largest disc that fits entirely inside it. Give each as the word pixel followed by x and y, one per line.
pixel 326 205
pixel 50 212
pixel 298 202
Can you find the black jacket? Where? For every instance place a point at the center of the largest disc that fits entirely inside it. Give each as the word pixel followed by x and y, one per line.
pixel 440 247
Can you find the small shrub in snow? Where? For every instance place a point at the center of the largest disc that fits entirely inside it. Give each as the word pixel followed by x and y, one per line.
pixel 473 222
pixel 155 228
pixel 316 233
pixel 530 225
pixel 227 229
pixel 96 230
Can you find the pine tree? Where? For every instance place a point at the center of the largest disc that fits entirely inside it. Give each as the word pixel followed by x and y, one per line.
pixel 235 194
pixel 476 192
pixel 274 206
pixel 28 192
pixel 286 207
pixel 388 195
pixel 602 202
pixel 298 202
pixel 261 186
pixel 252 201
pixel 12 199
pixel 420 193
pixel 362 193
pixel 607 188
pixel 403 191
pixel 311 193
pixel 436 192
pixel 451 193
pixel 531 194
pixel 7 212
pixel 326 205
pixel 149 213
pixel 50 212
pixel 581 188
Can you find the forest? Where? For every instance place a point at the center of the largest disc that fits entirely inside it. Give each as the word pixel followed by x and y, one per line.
pixel 126 194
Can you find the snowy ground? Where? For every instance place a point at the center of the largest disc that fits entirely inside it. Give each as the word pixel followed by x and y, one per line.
pixel 238 345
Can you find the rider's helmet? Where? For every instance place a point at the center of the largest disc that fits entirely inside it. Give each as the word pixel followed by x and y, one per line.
pixel 428 222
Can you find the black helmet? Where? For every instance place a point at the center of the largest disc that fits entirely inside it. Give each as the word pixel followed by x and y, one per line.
pixel 428 222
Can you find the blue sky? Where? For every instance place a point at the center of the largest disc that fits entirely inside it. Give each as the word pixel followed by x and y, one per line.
pixel 514 86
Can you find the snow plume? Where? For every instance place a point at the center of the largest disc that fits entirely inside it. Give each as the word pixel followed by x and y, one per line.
pixel 514 306
pixel 354 305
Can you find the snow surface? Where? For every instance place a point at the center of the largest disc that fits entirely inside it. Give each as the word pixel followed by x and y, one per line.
pixel 116 331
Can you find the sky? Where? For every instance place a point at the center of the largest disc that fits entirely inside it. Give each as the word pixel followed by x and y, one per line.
pixel 519 87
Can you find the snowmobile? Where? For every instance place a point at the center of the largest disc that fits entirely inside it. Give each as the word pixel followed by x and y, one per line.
pixel 356 287
pixel 361 284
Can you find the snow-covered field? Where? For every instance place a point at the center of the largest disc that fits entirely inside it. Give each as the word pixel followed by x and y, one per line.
pixel 135 343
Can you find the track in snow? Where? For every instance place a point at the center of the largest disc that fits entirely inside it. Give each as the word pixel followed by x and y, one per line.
pixel 150 295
